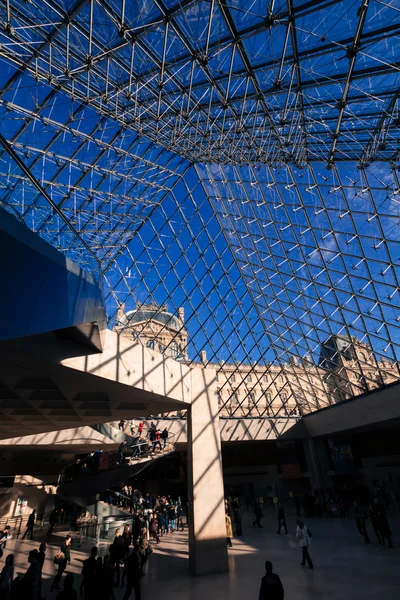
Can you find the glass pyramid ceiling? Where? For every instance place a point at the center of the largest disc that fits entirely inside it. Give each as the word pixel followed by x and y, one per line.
pixel 237 159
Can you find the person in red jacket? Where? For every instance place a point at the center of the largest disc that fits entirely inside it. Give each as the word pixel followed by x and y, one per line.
pixel 157 440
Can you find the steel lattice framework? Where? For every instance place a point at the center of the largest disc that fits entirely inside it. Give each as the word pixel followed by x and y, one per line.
pixel 236 158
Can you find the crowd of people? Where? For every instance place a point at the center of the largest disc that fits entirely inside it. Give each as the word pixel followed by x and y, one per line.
pixel 142 444
pixel 28 586
pixel 152 518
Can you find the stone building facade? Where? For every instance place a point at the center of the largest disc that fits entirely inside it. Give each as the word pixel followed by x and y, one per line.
pixel 346 368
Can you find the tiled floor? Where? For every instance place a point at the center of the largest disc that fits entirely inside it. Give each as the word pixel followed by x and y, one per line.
pixel 345 568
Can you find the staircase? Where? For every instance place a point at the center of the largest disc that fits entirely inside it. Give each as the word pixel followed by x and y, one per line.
pixel 111 431
pixel 82 481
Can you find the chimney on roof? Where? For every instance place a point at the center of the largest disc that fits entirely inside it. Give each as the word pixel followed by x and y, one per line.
pixel 203 357
pixel 181 314
pixel 120 312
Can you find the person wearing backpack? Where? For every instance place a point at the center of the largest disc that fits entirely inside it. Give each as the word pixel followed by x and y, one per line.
pixel 271 585
pixel 304 536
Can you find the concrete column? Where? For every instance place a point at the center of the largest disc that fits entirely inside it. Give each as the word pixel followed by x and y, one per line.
pixel 206 511
pixel 317 463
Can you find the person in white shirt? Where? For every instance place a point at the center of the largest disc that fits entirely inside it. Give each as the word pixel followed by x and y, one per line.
pixel 304 537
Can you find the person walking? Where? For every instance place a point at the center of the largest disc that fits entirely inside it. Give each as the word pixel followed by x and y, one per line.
pixel 144 549
pixel 164 437
pixel 372 513
pixel 42 554
pixel 229 534
pixel 258 513
pixel 133 575
pixel 237 515
pixel 156 441
pixel 172 517
pixel 30 525
pixel 179 517
pixel 7 577
pixel 30 585
pixel 121 455
pixel 65 558
pixel 127 537
pixel 121 425
pixel 52 522
pixel 68 593
pixel 383 523
pixel 297 503
pixel 304 537
pixel 154 529
pixel 281 518
pixel 271 585
pixel 4 536
pixel 360 517
pixel 88 584
pixel 108 575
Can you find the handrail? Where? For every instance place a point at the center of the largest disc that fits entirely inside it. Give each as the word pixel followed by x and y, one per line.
pixel 72 464
pixel 148 444
pixel 17 523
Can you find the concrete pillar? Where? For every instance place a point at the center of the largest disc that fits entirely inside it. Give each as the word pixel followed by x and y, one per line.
pixel 317 463
pixel 206 511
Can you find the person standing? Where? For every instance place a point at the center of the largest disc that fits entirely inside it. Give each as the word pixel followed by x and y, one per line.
pixel 229 534
pixel 140 428
pixel 271 585
pixel 133 575
pixel 304 537
pixel 121 425
pixel 360 517
pixel 30 524
pixel 52 522
pixel 258 513
pixel 119 552
pixel 281 518
pixel 7 577
pixel 62 564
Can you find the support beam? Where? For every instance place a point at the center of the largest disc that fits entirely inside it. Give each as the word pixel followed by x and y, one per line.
pixel 206 510
pixel 317 463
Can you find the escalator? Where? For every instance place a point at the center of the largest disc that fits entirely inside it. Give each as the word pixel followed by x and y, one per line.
pixel 82 481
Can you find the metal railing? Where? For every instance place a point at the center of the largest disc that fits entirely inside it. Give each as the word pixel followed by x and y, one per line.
pixel 18 524
pixel 97 462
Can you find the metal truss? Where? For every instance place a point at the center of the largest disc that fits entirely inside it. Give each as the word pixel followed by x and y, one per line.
pixel 238 159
